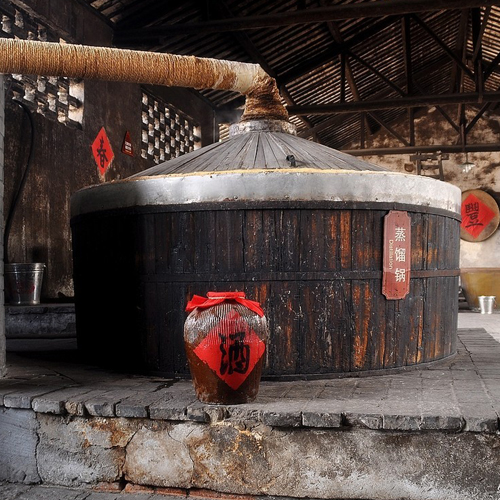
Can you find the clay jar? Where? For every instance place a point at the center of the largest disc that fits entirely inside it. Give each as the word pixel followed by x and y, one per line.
pixel 225 337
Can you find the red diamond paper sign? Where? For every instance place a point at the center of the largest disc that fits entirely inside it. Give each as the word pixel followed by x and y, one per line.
pixel 231 350
pixel 476 215
pixel 101 149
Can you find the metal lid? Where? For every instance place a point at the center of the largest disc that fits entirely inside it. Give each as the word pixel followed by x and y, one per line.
pixel 269 186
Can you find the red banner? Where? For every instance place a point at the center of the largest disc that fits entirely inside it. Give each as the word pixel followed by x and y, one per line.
pixel 476 215
pixel 397 255
pixel 231 350
pixel 101 149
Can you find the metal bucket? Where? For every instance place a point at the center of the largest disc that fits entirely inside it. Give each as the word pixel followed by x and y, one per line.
pixel 23 283
pixel 486 303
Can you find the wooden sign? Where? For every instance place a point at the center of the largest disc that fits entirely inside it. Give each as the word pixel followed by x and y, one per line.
pixel 480 215
pixel 397 255
pixel 101 149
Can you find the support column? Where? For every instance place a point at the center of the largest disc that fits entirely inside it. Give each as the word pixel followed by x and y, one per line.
pixel 3 362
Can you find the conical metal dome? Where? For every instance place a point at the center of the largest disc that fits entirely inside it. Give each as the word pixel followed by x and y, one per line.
pixel 260 144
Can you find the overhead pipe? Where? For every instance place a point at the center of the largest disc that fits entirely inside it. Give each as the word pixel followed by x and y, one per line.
pixel 105 63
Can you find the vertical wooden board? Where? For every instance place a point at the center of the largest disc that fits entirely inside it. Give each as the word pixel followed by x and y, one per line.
pixel 144 243
pixel 430 312
pixel 443 307
pixel 260 292
pixel 284 327
pixel 444 244
pixel 269 248
pixel 253 236
pixel 149 312
pixel 345 239
pixel 290 240
pixel 415 321
pixel 417 241
pixel 344 323
pixel 187 251
pixel 432 242
pixel 321 322
pixel 223 241
pixel 453 243
pixel 362 222
pixel 378 326
pixel 332 240
pixel 453 324
pixel 449 313
pixel 376 337
pixel 391 344
pixel 311 240
pixel 403 328
pixel 176 297
pixel 162 242
pixel 166 334
pixel 361 306
pixel 235 220
pixel 203 230
pixel 376 239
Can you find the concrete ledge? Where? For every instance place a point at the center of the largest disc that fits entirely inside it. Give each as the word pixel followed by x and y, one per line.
pixel 44 321
pixel 428 434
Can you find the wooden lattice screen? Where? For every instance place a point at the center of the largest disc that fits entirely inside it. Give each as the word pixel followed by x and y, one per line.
pixel 57 98
pixel 166 132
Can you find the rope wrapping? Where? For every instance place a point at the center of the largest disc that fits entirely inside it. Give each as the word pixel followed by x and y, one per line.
pixel 105 63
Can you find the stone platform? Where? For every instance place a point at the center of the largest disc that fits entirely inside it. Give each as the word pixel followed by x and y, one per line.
pixel 426 434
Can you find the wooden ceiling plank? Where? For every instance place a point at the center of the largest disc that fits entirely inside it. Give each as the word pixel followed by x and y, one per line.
pixel 460 49
pixel 443 45
pixel 256 55
pixel 478 38
pixel 492 67
pixel 377 73
pixel 414 101
pixel 478 116
pixel 377 8
pixel 406 39
pixel 389 129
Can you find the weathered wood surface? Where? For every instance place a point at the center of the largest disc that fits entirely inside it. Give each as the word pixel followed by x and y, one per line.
pixel 317 273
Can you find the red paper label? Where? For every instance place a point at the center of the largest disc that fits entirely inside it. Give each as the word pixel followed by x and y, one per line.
pixel 397 255
pixel 101 149
pixel 127 145
pixel 476 215
pixel 231 349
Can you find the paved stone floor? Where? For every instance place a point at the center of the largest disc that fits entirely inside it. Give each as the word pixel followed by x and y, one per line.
pixel 460 394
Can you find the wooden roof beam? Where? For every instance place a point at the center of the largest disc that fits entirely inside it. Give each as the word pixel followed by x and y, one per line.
pixel 377 8
pixel 335 50
pixel 443 148
pixel 414 101
pixel 445 47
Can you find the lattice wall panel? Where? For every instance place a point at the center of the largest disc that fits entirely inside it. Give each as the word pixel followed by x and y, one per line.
pixel 166 132
pixel 57 98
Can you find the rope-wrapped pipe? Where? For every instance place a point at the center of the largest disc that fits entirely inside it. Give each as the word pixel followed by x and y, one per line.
pixel 111 64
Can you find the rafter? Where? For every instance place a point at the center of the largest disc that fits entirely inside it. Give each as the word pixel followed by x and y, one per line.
pixel 443 45
pixel 460 50
pixel 443 148
pixel 335 49
pixel 414 101
pixel 377 8
pixel 249 47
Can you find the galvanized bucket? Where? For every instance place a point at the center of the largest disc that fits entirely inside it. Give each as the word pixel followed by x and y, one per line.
pixel 486 303
pixel 23 283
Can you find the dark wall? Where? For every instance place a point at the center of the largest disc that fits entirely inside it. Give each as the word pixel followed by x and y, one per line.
pixel 63 161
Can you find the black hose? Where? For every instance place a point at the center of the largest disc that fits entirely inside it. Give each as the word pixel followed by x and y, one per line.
pixel 17 196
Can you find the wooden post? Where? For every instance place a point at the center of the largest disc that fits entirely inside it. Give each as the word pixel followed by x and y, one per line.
pixel 3 362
